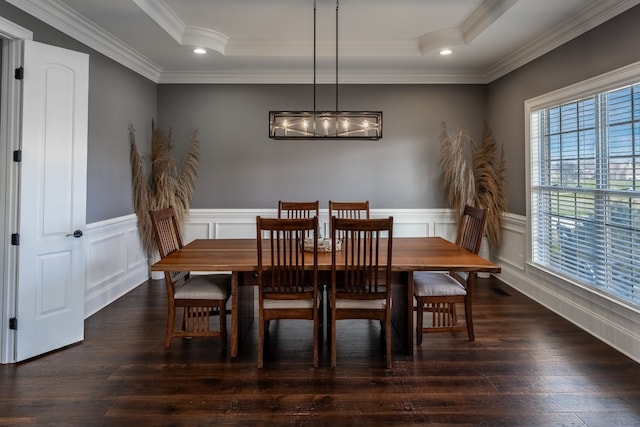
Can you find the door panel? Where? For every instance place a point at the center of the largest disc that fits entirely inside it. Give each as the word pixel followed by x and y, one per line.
pixel 51 273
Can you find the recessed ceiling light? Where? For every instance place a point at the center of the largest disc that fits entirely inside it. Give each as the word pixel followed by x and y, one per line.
pixel 445 52
pixel 199 50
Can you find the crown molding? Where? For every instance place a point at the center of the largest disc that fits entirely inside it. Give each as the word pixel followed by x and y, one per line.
pixel 9 30
pixel 597 14
pixel 164 16
pixel 185 35
pixel 353 76
pixel 486 14
pixel 68 21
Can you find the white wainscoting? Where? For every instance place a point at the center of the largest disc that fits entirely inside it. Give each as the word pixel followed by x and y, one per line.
pixel 116 264
pixel 115 261
pixel 241 223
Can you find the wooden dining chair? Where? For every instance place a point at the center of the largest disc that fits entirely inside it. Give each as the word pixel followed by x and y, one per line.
pixel 287 279
pixel 353 210
pixel 361 275
pixel 288 209
pixel 439 292
pixel 199 296
pixel 298 209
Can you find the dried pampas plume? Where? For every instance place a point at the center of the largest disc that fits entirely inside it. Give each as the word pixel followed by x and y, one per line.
pixel 479 182
pixel 458 176
pixel 169 183
pixel 489 170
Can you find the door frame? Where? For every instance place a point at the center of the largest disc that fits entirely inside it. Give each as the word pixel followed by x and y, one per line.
pixel 12 36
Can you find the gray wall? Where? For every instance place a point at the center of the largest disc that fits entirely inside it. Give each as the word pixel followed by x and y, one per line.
pixel 242 168
pixel 605 48
pixel 117 96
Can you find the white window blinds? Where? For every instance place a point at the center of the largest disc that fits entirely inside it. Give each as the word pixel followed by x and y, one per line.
pixel 585 191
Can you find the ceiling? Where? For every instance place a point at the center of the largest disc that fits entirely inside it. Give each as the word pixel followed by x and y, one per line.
pixel 272 41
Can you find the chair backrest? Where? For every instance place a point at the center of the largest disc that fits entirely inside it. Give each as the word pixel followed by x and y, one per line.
pixel 167 230
pixel 298 209
pixel 471 228
pixel 168 239
pixel 353 210
pixel 362 269
pixel 283 268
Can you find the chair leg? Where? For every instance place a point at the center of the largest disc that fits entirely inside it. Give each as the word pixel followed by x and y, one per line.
pixel 453 313
pixel 223 326
pixel 469 319
pixel 316 340
pixel 333 341
pixel 419 319
pixel 388 342
pixel 321 319
pixel 171 314
pixel 261 327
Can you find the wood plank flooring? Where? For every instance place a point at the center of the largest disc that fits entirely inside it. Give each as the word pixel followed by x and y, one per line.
pixel 527 367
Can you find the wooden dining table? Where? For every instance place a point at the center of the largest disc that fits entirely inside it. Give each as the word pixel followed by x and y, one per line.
pixel 239 256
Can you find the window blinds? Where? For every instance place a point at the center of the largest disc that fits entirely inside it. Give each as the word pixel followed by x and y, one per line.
pixel 585 191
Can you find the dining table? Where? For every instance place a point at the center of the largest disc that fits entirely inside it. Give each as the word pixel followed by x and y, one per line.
pixel 239 257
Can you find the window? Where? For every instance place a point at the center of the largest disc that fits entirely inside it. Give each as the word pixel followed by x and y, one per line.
pixel 584 198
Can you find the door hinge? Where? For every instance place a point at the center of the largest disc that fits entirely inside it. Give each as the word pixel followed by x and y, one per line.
pixel 13 323
pixel 17 156
pixel 15 239
pixel 19 74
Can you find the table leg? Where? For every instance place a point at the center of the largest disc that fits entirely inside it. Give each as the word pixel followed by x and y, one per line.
pixel 235 306
pixel 242 307
pixel 402 310
pixel 410 328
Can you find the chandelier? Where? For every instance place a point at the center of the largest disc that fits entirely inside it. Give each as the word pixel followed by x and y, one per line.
pixel 325 124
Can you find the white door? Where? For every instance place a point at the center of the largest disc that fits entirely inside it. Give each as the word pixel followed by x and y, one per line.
pixel 52 205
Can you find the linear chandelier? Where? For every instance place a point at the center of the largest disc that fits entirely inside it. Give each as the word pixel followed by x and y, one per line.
pixel 325 124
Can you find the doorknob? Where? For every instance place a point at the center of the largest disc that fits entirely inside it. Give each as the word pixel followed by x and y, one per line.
pixel 76 234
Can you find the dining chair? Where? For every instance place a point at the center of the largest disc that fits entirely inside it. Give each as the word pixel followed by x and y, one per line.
pixel 288 209
pixel 199 295
pixel 287 278
pixel 439 292
pixel 361 275
pixel 353 210
pixel 298 209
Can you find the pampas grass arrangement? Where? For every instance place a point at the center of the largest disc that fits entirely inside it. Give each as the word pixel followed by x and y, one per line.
pixel 457 173
pixel 489 169
pixel 479 182
pixel 168 184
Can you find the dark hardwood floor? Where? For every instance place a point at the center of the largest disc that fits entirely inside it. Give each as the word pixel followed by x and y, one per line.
pixel 527 367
